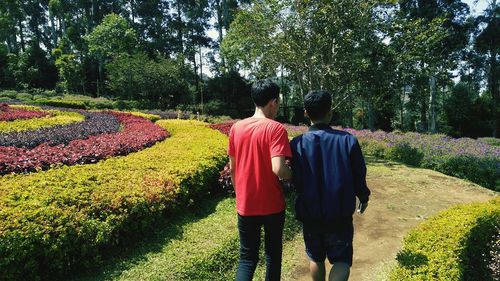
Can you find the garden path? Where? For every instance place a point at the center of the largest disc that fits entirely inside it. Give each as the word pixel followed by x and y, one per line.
pixel 401 198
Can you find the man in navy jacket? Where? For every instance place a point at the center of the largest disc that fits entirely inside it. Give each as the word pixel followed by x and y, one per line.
pixel 329 173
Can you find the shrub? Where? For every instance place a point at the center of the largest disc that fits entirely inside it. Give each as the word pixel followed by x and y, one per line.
pixel 95 123
pixel 8 113
pixel 56 118
pixel 8 94
pixel 450 246
pixel 137 133
pixel 150 117
pixel 75 104
pixel 60 219
pixel 490 141
pixel 403 152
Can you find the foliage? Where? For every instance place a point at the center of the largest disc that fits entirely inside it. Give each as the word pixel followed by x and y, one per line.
pixel 463 158
pixel 57 220
pixel 137 77
pixel 8 113
pixel 54 118
pixel 95 123
pixel 490 141
pixel 137 134
pixel 112 37
pixel 450 246
pixel 150 117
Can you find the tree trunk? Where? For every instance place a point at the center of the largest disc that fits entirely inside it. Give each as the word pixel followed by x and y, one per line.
pixel 179 28
pixel 401 108
pixel 423 115
pixel 21 35
pixel 220 24
pixel 494 92
pixel 371 116
pixel 53 29
pixel 432 104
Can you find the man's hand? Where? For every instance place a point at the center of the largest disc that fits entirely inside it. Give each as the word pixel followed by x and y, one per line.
pixel 362 207
pixel 280 168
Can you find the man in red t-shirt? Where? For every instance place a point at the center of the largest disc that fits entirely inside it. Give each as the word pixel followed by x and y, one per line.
pixel 257 149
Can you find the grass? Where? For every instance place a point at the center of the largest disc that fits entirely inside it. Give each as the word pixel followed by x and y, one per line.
pixel 199 244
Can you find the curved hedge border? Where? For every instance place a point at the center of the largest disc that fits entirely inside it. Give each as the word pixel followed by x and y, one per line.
pixel 450 246
pixel 54 221
pixel 57 118
pixel 95 123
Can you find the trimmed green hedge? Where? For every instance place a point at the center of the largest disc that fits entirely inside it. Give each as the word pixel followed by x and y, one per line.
pixel 54 221
pixel 450 246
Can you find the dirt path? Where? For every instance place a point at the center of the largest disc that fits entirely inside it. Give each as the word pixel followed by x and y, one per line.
pixel 401 198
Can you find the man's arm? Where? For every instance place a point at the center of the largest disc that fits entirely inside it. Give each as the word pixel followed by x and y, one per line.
pixel 231 168
pixel 280 169
pixel 358 167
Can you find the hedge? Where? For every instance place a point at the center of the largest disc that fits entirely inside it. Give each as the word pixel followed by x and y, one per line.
pixel 450 246
pixel 54 221
pixel 57 118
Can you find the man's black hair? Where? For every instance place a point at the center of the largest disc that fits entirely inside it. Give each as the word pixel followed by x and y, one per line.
pixel 263 91
pixel 317 104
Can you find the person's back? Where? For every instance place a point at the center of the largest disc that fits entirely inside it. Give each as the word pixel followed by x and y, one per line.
pixel 327 182
pixel 254 142
pixel 257 150
pixel 329 172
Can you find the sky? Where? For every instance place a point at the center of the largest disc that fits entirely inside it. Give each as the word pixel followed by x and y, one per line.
pixel 477 6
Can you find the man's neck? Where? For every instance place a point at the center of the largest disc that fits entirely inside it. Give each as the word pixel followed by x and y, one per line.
pixel 261 113
pixel 317 123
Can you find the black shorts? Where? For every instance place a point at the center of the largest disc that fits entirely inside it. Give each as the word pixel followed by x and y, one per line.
pixel 335 244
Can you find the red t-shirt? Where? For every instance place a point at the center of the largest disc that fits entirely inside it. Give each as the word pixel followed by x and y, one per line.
pixel 252 143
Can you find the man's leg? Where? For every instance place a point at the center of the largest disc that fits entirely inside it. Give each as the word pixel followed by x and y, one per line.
pixel 340 272
pixel 273 228
pixel 317 270
pixel 249 228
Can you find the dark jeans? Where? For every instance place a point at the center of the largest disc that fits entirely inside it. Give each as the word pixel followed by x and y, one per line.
pixel 250 228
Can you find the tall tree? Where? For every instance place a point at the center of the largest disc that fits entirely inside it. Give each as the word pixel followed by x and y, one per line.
pixel 488 42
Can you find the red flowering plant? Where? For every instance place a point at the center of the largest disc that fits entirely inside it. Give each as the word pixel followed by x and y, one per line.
pixel 137 134
pixel 8 113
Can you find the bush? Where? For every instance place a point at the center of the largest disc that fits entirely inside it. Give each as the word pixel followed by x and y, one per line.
pixel 63 103
pixel 490 141
pixel 373 147
pixel 403 152
pixel 450 246
pixel 136 134
pixel 56 118
pixel 8 94
pixel 57 220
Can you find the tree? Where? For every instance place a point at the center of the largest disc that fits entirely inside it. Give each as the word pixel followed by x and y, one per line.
pixel 161 82
pixel 488 42
pixel 111 38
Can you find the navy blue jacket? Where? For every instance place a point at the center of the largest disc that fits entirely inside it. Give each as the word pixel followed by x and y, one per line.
pixel 329 171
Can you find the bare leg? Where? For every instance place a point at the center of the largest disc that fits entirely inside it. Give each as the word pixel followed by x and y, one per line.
pixel 339 272
pixel 317 270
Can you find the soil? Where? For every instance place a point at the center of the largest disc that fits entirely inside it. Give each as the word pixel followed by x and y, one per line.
pixel 402 197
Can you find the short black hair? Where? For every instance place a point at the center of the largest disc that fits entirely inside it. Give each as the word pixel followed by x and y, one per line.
pixel 317 104
pixel 263 91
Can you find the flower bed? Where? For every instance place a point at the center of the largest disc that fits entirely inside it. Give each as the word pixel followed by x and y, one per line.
pixel 137 133
pixel 463 158
pixel 54 118
pixel 8 113
pixel 95 123
pixel 451 246
pixel 56 220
